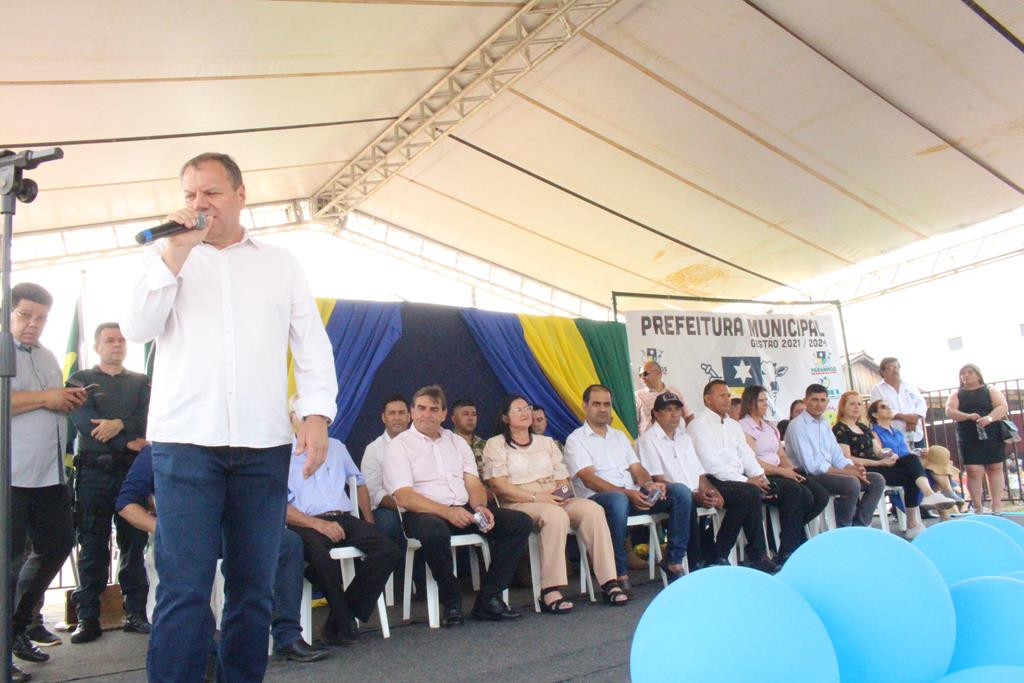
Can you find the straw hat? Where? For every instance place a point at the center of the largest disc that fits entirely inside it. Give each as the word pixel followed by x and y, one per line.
pixel 936 459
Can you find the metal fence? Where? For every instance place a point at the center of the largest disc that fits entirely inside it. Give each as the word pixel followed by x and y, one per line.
pixel 941 431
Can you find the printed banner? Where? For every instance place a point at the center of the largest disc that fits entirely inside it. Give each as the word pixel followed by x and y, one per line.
pixel 783 353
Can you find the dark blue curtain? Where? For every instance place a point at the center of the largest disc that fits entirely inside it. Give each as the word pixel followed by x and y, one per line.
pixel 500 338
pixel 362 334
pixel 436 347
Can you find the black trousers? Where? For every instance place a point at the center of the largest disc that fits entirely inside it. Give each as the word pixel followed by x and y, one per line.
pixel 359 599
pixel 95 493
pixel 798 504
pixel 42 515
pixel 507 540
pixel 742 511
pixel 904 473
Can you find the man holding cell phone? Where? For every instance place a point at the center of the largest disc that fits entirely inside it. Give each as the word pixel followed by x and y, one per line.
pixel 112 425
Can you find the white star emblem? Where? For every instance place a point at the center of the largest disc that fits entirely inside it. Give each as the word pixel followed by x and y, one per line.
pixel 742 371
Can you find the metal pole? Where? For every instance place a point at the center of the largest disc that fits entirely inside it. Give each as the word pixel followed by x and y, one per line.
pixel 615 306
pixel 7 350
pixel 846 349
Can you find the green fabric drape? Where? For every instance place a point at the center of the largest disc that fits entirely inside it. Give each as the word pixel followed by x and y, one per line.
pixel 607 345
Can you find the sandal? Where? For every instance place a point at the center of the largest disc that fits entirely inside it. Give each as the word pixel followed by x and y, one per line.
pixel 560 606
pixel 613 593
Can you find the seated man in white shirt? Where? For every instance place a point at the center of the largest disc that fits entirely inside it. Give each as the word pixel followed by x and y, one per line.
pixel 320 512
pixel 394 413
pixel 813 448
pixel 733 469
pixel 606 470
pixel 667 452
pixel 905 400
pixel 432 475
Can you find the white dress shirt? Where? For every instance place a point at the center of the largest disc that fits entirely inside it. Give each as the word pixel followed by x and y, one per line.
pixel 435 468
pixel 908 400
pixel 610 456
pixel 223 327
pixel 671 457
pixel 372 466
pixel 722 447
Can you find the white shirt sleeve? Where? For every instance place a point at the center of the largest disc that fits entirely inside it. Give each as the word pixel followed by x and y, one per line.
pixel 576 455
pixel 150 299
pixel 373 472
pixel 315 375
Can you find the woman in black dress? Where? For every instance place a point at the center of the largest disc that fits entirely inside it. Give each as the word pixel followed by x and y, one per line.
pixel 977 408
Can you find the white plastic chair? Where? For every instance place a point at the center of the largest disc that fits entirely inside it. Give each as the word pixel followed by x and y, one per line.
pixel 433 600
pixel 348 555
pixel 883 508
pixel 586 581
pixel 653 523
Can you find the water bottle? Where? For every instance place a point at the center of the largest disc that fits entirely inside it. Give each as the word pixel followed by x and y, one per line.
pixel 982 434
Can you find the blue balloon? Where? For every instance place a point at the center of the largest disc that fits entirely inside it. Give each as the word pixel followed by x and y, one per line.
pixel 987 622
pixel 756 629
pixel 986 674
pixel 860 581
pixel 1015 575
pixel 966 549
pixel 1008 527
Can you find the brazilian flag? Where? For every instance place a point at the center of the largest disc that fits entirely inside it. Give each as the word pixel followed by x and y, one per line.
pixel 71 366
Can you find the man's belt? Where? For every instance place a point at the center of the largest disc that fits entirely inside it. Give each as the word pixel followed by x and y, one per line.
pixel 107 462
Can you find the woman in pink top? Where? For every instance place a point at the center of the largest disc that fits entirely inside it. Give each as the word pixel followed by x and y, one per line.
pixel 799 499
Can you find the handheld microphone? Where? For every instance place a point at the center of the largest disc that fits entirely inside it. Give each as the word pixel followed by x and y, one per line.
pixel 167 229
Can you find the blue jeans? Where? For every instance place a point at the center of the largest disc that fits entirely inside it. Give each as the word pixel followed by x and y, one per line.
pixel 209 498
pixel 285 627
pixel 676 503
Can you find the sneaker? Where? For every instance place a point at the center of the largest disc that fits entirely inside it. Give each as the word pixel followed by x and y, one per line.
pixel 914 531
pixel 42 637
pixel 937 500
pixel 22 648
pixel 19 676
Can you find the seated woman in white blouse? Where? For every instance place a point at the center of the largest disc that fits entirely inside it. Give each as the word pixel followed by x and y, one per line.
pixel 527 473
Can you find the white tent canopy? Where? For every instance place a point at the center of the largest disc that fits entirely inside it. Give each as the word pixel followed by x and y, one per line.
pixel 703 120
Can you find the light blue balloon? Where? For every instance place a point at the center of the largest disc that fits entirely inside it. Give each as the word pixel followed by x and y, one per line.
pixel 859 582
pixel 1008 527
pixel 966 549
pixel 1015 575
pixel 986 674
pixel 754 628
pixel 987 622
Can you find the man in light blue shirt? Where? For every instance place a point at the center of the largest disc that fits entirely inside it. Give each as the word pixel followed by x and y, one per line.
pixel 812 446
pixel 320 512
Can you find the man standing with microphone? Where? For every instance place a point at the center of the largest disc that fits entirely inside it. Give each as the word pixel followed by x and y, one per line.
pixel 224 310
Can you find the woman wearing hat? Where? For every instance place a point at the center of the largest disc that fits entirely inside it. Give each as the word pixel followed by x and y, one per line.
pixel 977 409
pixel 942 474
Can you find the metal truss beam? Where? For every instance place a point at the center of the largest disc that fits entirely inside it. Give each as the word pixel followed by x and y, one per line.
pixel 534 32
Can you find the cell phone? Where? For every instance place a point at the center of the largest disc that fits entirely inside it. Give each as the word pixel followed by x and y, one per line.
pixel 90 387
pixel 562 491
pixel 653 494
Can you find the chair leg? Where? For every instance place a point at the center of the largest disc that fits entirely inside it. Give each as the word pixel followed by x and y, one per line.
pixel 389 591
pixel 382 612
pixel 773 513
pixel 534 550
pixel 830 514
pixel 653 550
pixel 586 580
pixel 433 601
pixel 901 513
pixel 883 512
pixel 306 611
pixel 474 567
pixel 348 571
pixel 407 585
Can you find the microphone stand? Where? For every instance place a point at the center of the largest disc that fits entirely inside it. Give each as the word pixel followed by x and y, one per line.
pixel 13 188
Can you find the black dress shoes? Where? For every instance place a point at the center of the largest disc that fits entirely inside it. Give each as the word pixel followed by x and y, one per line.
pixel 23 648
pixel 87 631
pixel 764 564
pixel 300 651
pixel 340 632
pixel 452 614
pixel 137 623
pixel 494 609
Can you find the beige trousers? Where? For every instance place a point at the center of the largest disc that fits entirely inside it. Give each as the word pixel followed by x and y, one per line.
pixel 553 522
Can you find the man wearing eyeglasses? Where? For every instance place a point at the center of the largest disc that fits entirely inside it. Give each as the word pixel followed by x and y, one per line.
pixel 651 374
pixel 40 503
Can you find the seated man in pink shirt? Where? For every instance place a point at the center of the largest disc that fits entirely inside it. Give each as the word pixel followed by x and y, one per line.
pixel 431 473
